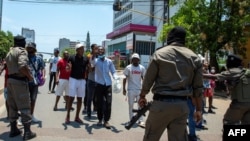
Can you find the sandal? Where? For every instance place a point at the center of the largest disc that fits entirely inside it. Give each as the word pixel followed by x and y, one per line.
pixel 202 127
pixel 67 121
pixel 78 120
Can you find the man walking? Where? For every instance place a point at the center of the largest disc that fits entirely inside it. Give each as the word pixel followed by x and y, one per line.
pixel 52 70
pixel 176 73
pixel 62 79
pixel 134 74
pixel 77 83
pixel 36 65
pixel 91 81
pixel 18 89
pixel 103 67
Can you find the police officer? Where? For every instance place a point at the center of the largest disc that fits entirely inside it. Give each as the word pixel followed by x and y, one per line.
pixel 18 89
pixel 238 82
pixel 176 73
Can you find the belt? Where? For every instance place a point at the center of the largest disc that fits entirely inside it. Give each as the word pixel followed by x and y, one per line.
pixel 18 77
pixel 169 98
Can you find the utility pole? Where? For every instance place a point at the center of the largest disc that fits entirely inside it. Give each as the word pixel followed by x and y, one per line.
pixel 1 11
pixel 165 14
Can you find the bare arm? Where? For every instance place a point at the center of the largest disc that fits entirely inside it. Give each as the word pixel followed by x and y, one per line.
pixel 25 70
pixel 124 86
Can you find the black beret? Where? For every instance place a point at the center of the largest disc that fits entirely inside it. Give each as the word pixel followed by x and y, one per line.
pixel 177 34
pixel 233 61
pixel 19 38
pixel 19 41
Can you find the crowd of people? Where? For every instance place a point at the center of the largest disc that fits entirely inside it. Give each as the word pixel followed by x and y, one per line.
pixel 180 80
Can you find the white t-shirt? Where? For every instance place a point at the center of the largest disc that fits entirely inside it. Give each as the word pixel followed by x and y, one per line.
pixel 134 76
pixel 54 61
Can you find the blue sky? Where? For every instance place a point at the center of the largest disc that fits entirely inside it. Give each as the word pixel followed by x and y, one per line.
pixel 54 21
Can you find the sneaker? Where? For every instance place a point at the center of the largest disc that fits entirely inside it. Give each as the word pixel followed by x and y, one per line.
pixel 107 125
pixel 141 124
pixel 78 120
pixel 201 127
pixel 214 107
pixel 55 109
pixel 99 123
pixel 49 92
pixel 211 111
pixel 193 138
pixel 84 111
pixel 53 91
pixel 19 123
pixel 35 120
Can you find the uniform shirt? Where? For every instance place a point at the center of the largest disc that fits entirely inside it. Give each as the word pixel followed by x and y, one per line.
pixel 54 61
pixel 103 70
pixel 134 76
pixel 79 66
pixel 16 58
pixel 174 70
pixel 61 65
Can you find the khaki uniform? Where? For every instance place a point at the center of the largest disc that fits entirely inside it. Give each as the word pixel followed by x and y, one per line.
pixel 175 73
pixel 17 85
pixel 239 109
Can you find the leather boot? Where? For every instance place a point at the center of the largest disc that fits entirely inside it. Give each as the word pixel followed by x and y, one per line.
pixel 14 131
pixel 28 134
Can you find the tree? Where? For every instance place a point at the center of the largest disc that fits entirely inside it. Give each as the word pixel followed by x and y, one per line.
pixel 88 42
pixel 6 41
pixel 212 25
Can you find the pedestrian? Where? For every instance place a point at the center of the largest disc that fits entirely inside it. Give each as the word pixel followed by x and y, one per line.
pixel 52 70
pixel 176 73
pixel 62 80
pixel 91 81
pixel 36 65
pixel 18 89
pixel 4 68
pixel 103 67
pixel 78 65
pixel 134 73
pixel 237 79
pixel 208 93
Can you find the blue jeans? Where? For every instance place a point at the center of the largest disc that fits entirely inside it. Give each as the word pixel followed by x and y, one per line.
pixel 191 122
pixel 90 95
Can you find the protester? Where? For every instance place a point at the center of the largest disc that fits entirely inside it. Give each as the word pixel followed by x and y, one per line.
pixel 62 80
pixel 36 65
pixel 91 82
pixel 78 66
pixel 134 73
pixel 18 89
pixel 176 73
pixel 103 67
pixel 52 70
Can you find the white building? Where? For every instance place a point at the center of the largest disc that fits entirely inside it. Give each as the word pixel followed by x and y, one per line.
pixel 29 35
pixel 66 43
pixel 137 26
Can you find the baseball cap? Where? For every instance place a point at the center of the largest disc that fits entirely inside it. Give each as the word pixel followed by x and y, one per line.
pixel 135 55
pixel 79 46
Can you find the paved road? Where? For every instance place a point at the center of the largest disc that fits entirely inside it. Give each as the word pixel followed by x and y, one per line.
pixel 52 127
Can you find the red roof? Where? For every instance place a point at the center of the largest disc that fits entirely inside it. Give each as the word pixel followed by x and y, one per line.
pixel 130 28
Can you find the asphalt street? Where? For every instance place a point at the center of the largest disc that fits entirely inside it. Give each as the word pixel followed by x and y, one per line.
pixel 52 128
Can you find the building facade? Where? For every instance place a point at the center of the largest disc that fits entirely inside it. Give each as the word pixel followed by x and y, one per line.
pixel 29 35
pixel 136 28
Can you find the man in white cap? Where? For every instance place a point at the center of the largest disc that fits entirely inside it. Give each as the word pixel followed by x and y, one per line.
pixel 134 73
pixel 77 65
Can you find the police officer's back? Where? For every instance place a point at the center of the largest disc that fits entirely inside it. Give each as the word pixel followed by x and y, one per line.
pixel 17 87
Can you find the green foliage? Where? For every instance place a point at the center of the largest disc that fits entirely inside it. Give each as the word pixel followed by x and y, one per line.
pixel 6 41
pixel 212 24
pixel 71 51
